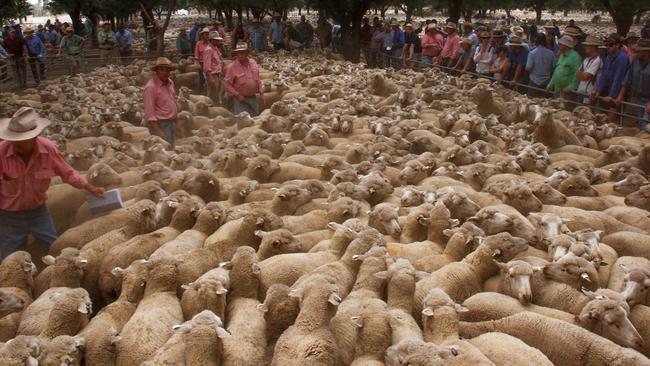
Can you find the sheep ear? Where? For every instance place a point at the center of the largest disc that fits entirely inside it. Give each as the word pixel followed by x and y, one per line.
pixel 537 269
pixel 115 339
pixel 187 287
pixel 535 218
pixel 358 257
pixel 590 294
pixel 182 328
pixel 454 222
pixel 427 311
pixel 226 265
pixel 625 268
pixel 501 265
pixel 256 268
pixel 222 333
pixel 222 291
pixel 83 308
pixel 117 271
pixel 260 233
pixel 357 321
pixel 48 259
pixel 334 299
pixel 296 293
pixel 79 341
pixel 382 275
pixel 262 307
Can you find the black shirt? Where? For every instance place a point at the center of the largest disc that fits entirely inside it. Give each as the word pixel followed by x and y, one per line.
pixel 412 38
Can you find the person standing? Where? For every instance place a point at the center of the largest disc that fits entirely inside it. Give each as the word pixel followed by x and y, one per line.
pixel 306 31
pixel 160 101
pixel 432 44
pixel 464 61
pixel 292 38
pixel 27 164
pixel 539 66
pixel 194 33
pixel 498 38
pixel 576 34
pixel 517 59
pixel 35 51
pixel 183 44
pixel 257 36
pixel 551 38
pixel 52 37
pixel 629 44
pixel 590 69
pixel 636 85
pixel 608 85
pixel 398 44
pixel 565 80
pixel 213 67
pixel 72 45
pixel 412 47
pixel 276 32
pixel 40 33
pixel 124 40
pixel 217 26
pixel 484 55
pixel 243 82
pixel 324 33
pixel 452 44
pixel 365 40
pixel 106 40
pixel 198 53
pixel 14 46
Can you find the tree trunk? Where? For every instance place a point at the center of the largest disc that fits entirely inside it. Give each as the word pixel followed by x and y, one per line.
pixel 350 41
pixel 566 13
pixel 455 7
pixel 622 14
pixel 75 16
pixel 209 13
pixel 95 20
pixel 409 13
pixel 160 47
pixel 538 15
pixel 382 11
pixel 467 15
pixel 507 13
pixel 240 16
pixel 228 16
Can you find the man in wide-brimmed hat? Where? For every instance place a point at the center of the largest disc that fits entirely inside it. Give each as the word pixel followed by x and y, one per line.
pixel 629 43
pixel 276 32
pixel 243 82
pixel 452 44
pixel 160 101
pixel 106 40
pixel 590 68
pixel 257 35
pixel 432 44
pixel 35 52
pixel 565 80
pixel 635 85
pixel 27 164
pixel 14 45
pixel 551 37
pixel 539 67
pixel 498 38
pixel 517 59
pixel 576 34
pixel 204 41
pixel 72 45
pixel 213 67
pixel 615 65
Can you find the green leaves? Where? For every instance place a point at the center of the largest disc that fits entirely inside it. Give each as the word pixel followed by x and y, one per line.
pixel 13 9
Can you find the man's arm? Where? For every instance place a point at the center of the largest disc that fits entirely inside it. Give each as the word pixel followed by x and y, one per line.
pixel 72 177
pixel 228 82
pixel 619 73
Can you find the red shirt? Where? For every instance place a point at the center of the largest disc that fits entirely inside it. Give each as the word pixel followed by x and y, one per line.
pixel 14 46
pixel 437 41
pixel 159 100
pixel 24 186
pixel 451 47
pixel 198 50
pixel 243 79
pixel 212 60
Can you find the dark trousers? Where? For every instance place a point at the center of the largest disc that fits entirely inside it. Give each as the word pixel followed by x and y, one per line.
pixel 37 72
pixel 15 226
pixel 534 93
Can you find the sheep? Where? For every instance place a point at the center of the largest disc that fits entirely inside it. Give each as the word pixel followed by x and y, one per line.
pixel 280 311
pixel 58 311
pixel 151 324
pixel 506 350
pixel 208 292
pixel 639 198
pixel 492 306
pixel 439 317
pixel 541 332
pixel 516 280
pixel 9 303
pixel 631 277
pixel 608 318
pixel 277 242
pixel 202 336
pixel 22 350
pixel 383 217
pixel 629 243
pixel 62 350
pixel 338 211
pixel 574 271
pixel 66 270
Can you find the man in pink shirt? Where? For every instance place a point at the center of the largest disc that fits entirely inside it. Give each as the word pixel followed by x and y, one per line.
pixel 198 53
pixel 432 44
pixel 160 101
pixel 27 164
pixel 452 44
pixel 243 82
pixel 213 67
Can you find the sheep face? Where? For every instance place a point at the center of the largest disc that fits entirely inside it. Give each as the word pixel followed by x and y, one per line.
pixel 133 280
pixel 640 198
pixel 548 195
pixel 522 198
pixel 574 271
pixel 635 286
pixel 63 350
pixel 630 184
pixel 504 246
pixel 384 218
pixel 411 197
pixel 9 303
pixel 492 221
pixel 609 318
pixel 102 175
pixel 516 279
pixel 577 185
pixel 460 206
pixel 559 245
pixel 548 225
pixel 413 172
pixel 277 242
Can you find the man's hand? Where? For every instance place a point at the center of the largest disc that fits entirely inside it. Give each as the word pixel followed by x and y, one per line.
pixel 95 191
pixel 512 83
pixel 606 99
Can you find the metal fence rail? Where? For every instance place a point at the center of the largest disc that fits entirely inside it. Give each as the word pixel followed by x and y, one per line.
pixel 622 110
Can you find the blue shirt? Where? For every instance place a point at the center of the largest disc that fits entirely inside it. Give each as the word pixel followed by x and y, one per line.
pixel 52 37
pixel 540 65
pixel 517 59
pixel 398 38
pixel 277 32
pixel 3 52
pixel 386 39
pixel 123 39
pixel 612 74
pixel 34 46
pixel 193 33
pixel 41 35
pixel 257 37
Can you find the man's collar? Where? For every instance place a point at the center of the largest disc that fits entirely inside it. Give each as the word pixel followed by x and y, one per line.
pixel 39 145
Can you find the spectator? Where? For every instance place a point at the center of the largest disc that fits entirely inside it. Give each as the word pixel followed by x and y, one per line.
pixel 498 38
pixel 124 39
pixel 365 40
pixel 257 36
pixel 213 66
pixel 4 60
pixel 14 46
pixel 590 69
pixel 72 45
pixel 41 33
pixel 52 37
pixel 386 39
pixel 243 82
pixel 551 38
pixel 629 43
pixel 276 32
pixel 106 41
pixel 35 50
pixel 556 29
pixel 376 43
pixel 500 64
pixel 398 44
pixel 452 44
pixel 194 33
pixel 501 22
pixel 519 32
pixel 336 37
pixel 159 100
pixel 238 35
pixel 468 32
pixel 484 55
pixel 539 66
pixel 636 85
pixel 576 35
pixel 608 85
pixel 183 44
pixel 432 44
pixel 465 58
pixel 306 31
pixel 324 33
pixel 198 53
pixel 517 60
pixel 565 79
pixel 217 26
pixel 412 47
pixel 292 37
pixel 152 38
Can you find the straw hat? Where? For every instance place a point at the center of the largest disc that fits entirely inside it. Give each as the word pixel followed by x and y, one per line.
pixel 432 26
pixel 205 30
pixel 549 26
pixel 451 25
pixel 592 41
pixel 497 33
pixel 515 41
pixel 519 31
pixel 484 35
pixel 164 63
pixel 241 47
pixel 642 45
pixel 631 35
pixel 215 35
pixel 567 41
pixel 572 31
pixel 28 30
pixel 25 124
pixel 408 25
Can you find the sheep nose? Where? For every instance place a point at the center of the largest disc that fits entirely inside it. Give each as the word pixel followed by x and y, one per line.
pixel 526 298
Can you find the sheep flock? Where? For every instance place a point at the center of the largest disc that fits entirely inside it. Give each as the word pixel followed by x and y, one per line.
pixel 366 217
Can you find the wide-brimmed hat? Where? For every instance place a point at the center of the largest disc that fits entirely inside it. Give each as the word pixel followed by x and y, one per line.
pixel 592 41
pixel 613 38
pixel 497 33
pixel 631 35
pixel 163 62
pixel 451 25
pixel 205 30
pixel 567 41
pixel 517 30
pixel 215 35
pixel 69 30
pixel 642 45
pixel 432 26
pixel 549 26
pixel 408 25
pixel 28 30
pixel 25 124
pixel 394 22
pixel 106 23
pixel 484 34
pixel 515 41
pixel 241 47
pixel 572 31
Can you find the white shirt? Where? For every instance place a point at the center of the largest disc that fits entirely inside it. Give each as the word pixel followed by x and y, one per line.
pixel 591 65
pixel 483 59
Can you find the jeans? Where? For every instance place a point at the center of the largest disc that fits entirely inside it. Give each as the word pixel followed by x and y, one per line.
pixel 168 130
pixel 15 226
pixel 249 104
pixel 37 73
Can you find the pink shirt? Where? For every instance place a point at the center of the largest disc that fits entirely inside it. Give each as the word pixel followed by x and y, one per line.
pixel 159 100
pixel 24 186
pixel 199 49
pixel 437 41
pixel 243 79
pixel 212 60
pixel 451 46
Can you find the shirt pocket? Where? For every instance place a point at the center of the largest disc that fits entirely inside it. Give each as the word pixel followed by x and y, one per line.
pixel 42 179
pixel 9 186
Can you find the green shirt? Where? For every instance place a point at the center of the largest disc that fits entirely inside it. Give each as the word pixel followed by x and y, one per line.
pixel 106 39
pixel 564 75
pixel 71 44
pixel 183 43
